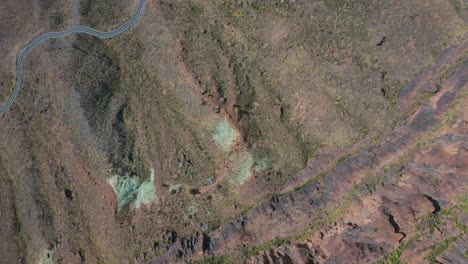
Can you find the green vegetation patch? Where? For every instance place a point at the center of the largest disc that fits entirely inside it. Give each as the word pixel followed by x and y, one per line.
pixel 47 256
pixel 225 135
pixel 256 250
pixel 394 256
pixel 262 165
pixel 438 248
pixel 224 259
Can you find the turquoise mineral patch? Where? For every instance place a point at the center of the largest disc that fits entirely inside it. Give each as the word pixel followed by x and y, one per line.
pixel 125 187
pixel 146 193
pixel 225 135
pixel 242 170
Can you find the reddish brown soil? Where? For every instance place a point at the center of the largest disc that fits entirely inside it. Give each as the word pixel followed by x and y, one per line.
pixel 354 115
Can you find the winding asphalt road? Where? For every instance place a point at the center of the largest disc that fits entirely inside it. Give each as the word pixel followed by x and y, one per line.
pixel 56 35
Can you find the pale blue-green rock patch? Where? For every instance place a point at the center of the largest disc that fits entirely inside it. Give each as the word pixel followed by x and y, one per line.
pixel 225 135
pixel 146 194
pixel 192 209
pixel 242 170
pixel 125 188
pixel 175 188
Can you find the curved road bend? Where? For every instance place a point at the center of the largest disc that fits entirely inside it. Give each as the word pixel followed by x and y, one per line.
pixel 56 35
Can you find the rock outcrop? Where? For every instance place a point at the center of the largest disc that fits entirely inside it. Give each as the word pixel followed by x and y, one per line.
pixel 372 203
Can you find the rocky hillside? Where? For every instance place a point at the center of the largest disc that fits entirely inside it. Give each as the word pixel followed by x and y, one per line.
pixel 236 132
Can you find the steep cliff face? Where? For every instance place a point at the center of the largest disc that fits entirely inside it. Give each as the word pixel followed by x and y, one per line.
pixel 236 131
